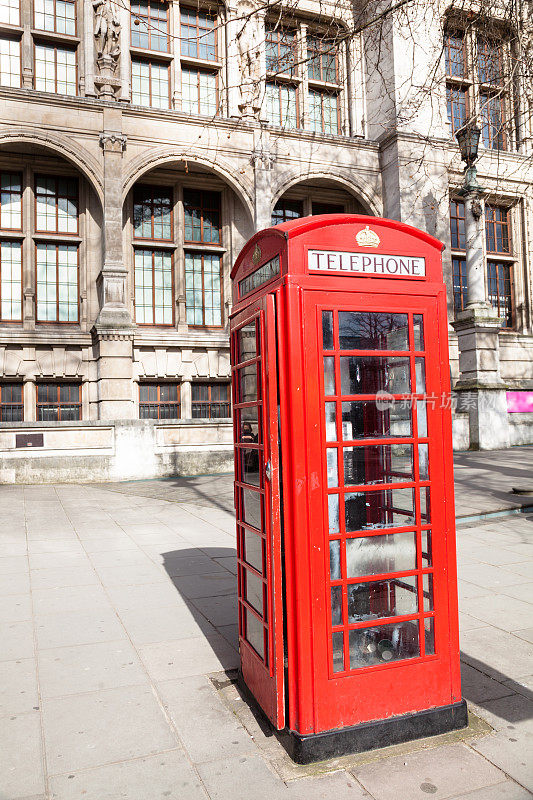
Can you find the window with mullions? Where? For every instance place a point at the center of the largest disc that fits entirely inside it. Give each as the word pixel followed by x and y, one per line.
pixel 459 284
pixel 11 201
pixel 457 224
pixel 11 404
pixel 285 210
pixel 210 400
pixel 10 12
pixel 489 61
pixel 149 25
pixel 493 121
pixel 202 216
pixel 57 282
pixel 455 55
pixel 57 16
pixel 199 93
pixel 497 229
pixel 280 47
pixel 149 84
pixel 10 67
pixel 159 401
pixel 457 105
pixel 203 289
pixel 153 287
pixel 322 62
pixel 198 35
pixel 58 401
pixel 152 212
pixel 10 281
pixel 500 290
pixel 56 204
pixel 324 112
pixel 55 69
pixel 281 105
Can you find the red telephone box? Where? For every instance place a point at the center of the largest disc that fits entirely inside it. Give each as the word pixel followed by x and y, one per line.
pixel 347 587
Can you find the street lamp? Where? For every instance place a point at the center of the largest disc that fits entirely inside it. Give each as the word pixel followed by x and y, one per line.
pixel 468 140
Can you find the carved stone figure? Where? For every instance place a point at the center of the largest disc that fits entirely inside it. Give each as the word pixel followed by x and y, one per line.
pixel 107 28
pixel 248 43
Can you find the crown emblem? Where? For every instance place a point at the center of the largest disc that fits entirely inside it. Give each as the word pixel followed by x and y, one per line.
pixel 256 255
pixel 367 238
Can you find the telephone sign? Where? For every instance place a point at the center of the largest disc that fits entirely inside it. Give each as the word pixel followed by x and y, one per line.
pixel 347 594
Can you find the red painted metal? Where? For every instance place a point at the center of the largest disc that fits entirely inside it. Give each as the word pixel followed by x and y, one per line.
pixel 330 685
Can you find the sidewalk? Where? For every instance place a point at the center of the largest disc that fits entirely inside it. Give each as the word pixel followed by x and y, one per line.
pixel 118 629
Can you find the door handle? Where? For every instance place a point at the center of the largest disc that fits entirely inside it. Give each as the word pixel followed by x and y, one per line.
pixel 268 471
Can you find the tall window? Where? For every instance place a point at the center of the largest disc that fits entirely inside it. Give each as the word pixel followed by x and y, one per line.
pixel 150 83
pixel 210 400
pixel 322 64
pixel 153 267
pixel 281 86
pixel 57 282
pixel 499 263
pixel 58 401
pixel 11 404
pixel 55 69
pixel 10 281
pixel 11 201
pixel 56 204
pixel 323 67
pixel 199 86
pixel 159 401
pixel 324 112
pixel 10 12
pixel 57 16
pixel 281 105
pixel 10 67
pixel 476 85
pixel 203 269
pixel 149 25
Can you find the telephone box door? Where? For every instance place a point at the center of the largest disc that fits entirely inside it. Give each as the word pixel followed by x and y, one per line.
pixel 381 569
pixel 257 503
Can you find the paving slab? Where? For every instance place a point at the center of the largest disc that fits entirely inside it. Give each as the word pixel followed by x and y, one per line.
pixel 16 640
pixel 18 687
pixel 78 627
pixel 200 655
pixel 21 764
pixel 508 790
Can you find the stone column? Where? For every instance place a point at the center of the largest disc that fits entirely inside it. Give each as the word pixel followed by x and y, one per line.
pixel 113 330
pixel 480 389
pixel 263 161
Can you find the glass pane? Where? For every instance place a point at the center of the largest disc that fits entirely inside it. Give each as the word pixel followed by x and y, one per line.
pixel 254 633
pixel 422 418
pixel 378 599
pixel 251 511
pixel 253 550
pixel 363 330
pixel 420 371
pixel 425 505
pixel 364 419
pixel 384 509
pixel 327 330
pixel 429 633
pixel 427 587
pixel 336 605
pixel 376 555
pixel 329 375
pixel 418 326
pixel 423 462
pixel 253 590
pixel 333 513
pixel 387 463
pixel 338 651
pixel 383 644
pixel 247 342
pixel 333 476
pixel 249 466
pixel 335 559
pixel 371 374
pixel 248 428
pixel 427 555
pixel 331 429
pixel 247 383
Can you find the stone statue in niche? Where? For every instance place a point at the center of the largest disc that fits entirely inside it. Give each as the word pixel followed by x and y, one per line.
pixel 107 29
pixel 249 46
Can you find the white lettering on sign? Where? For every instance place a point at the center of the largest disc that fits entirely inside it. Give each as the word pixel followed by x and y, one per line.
pixel 366 263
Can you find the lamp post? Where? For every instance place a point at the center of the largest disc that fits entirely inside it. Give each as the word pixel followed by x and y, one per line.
pixel 468 141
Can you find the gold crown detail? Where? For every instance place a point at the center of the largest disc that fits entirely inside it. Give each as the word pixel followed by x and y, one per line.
pixel 367 238
pixel 256 255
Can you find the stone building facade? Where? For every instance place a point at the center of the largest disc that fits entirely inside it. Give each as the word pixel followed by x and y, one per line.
pixel 142 144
